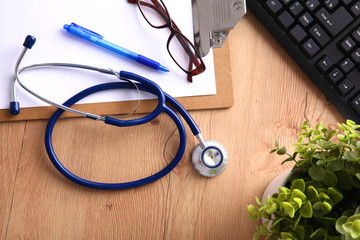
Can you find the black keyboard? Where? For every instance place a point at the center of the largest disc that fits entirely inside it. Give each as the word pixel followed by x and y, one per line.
pixel 323 38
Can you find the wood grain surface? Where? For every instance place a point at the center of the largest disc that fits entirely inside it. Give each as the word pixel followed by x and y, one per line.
pixel 272 97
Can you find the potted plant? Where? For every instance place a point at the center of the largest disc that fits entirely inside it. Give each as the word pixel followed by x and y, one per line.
pixel 321 197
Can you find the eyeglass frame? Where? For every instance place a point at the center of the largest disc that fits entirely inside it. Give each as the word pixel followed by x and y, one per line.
pixel 162 10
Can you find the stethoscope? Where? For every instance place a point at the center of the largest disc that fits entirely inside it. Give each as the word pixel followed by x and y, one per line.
pixel 209 157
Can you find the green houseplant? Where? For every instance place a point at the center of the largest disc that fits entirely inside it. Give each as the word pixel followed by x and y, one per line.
pixel 321 197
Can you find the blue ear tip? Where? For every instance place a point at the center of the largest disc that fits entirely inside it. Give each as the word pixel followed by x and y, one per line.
pixel 29 41
pixel 14 108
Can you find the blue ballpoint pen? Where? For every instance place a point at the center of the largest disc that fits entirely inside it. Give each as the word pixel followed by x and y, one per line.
pixel 91 36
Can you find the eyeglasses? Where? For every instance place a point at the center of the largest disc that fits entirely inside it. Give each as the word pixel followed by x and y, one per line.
pixel 157 15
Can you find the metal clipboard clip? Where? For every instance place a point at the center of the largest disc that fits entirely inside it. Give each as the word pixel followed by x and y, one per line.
pixel 213 20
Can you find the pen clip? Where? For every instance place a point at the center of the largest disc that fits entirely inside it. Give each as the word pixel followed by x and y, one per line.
pixel 86 30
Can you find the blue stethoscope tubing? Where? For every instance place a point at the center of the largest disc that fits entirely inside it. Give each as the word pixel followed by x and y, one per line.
pixel 209 157
pixel 145 85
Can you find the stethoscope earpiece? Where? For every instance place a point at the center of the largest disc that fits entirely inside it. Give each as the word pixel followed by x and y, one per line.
pixel 211 159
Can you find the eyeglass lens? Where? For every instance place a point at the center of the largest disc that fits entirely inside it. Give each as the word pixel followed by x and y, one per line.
pixel 154 12
pixel 188 61
pixel 157 16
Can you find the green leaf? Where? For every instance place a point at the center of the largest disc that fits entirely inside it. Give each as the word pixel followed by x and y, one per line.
pixel 250 208
pixel 258 201
pixel 318 126
pixel 347 226
pixel 312 194
pixel 357 175
pixel 300 232
pixel 319 234
pixel 317 173
pixel 323 196
pixel 306 210
pixel 341 138
pixel 344 180
pixel 355 181
pixel 287 236
pixel 350 155
pixel 305 125
pixel 271 208
pixel 296 193
pixel 320 163
pixel 332 133
pixel 276 144
pixel 334 195
pixel 327 144
pixel 281 197
pixel 330 179
pixel 341 127
pixel 255 216
pixel 324 129
pixel 298 202
pixel 350 122
pixel 357 211
pixel 355 232
pixel 288 209
pixel 256 236
pixel 284 190
pixel 281 151
pixel 298 184
pixel 273 150
pixel 263 230
pixel 335 165
pixel 321 208
pixel 339 224
pixel 354 218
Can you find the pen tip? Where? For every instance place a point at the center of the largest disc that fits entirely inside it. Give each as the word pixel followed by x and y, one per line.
pixel 163 68
pixel 66 27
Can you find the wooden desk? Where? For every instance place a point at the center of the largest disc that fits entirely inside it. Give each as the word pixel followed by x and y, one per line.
pixel 272 97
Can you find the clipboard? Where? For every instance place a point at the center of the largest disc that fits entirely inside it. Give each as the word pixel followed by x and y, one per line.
pixel 222 99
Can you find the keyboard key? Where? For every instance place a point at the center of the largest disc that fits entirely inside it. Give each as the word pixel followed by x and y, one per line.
pixel 330 4
pixel 310 48
pixel 324 64
pixel 344 87
pixel 347 65
pixel 274 6
pixel 306 19
pixel 298 34
pixel 347 2
pixel 356 34
pixel 334 76
pixel 355 104
pixel 296 8
pixel 356 55
pixel 356 9
pixel 336 21
pixel 347 44
pixel 286 19
pixel 285 2
pixel 312 4
pixel 319 35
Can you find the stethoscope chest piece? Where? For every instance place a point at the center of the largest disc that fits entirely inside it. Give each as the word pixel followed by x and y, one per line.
pixel 210 160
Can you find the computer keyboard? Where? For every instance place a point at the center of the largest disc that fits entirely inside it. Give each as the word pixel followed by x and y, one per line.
pixel 323 38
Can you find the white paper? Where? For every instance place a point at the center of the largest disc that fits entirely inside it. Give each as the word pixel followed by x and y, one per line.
pixel 118 21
